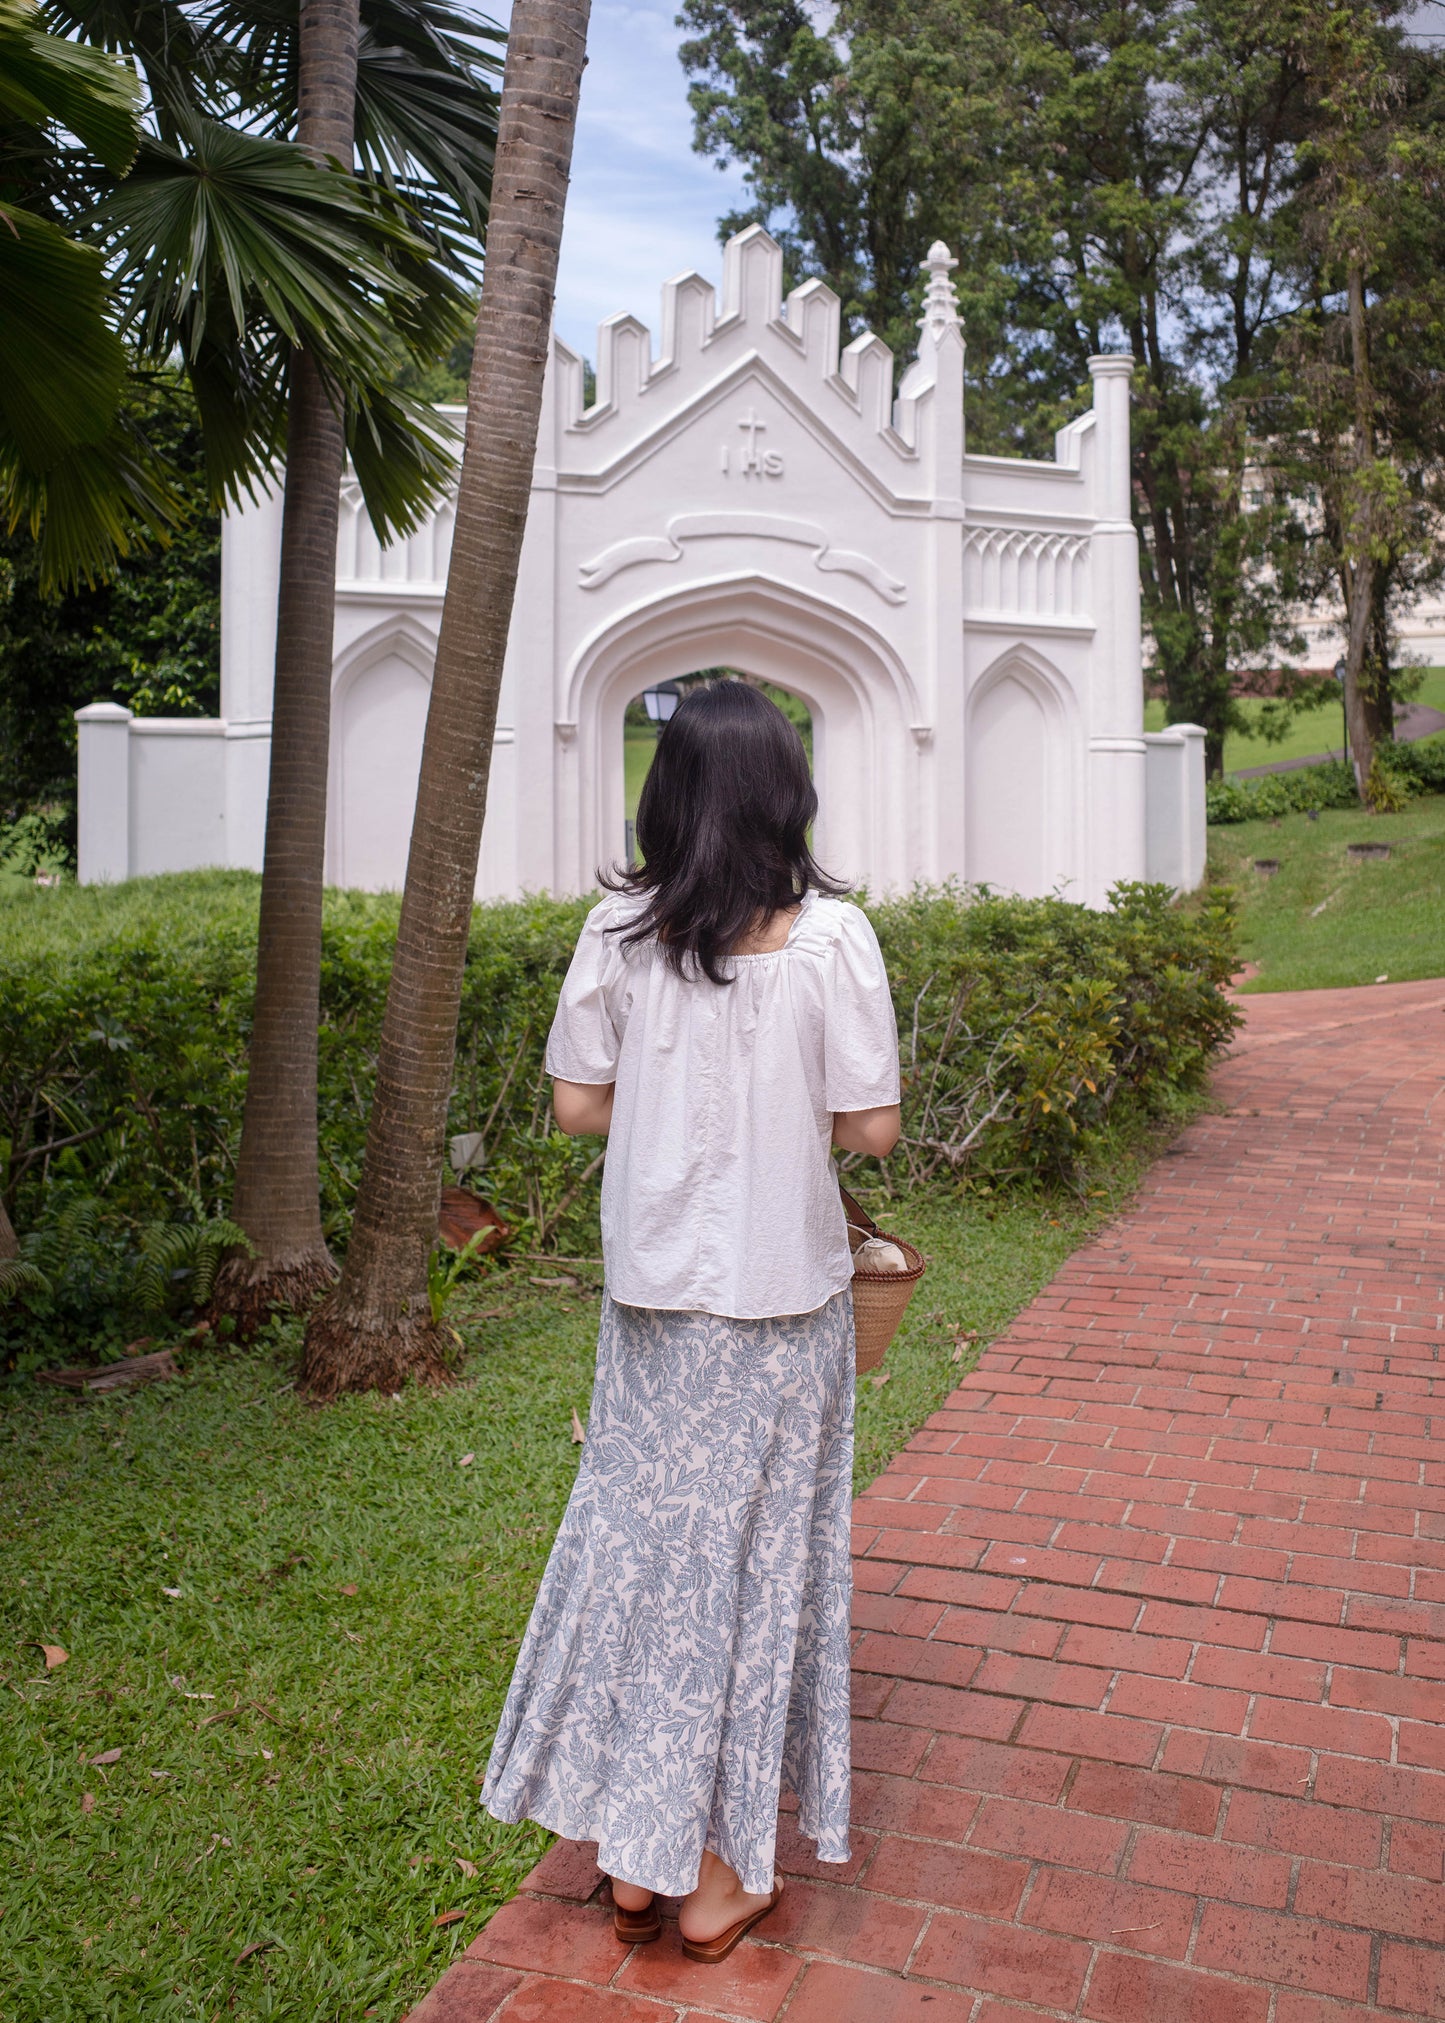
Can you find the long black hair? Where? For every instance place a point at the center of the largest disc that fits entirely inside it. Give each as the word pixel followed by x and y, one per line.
pixel 722 828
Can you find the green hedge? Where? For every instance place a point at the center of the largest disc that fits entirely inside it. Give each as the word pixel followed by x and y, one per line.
pixel 124 1019
pixel 1415 769
pixel 1025 1023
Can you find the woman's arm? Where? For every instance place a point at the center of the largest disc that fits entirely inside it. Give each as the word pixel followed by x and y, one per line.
pixel 874 1131
pixel 583 1109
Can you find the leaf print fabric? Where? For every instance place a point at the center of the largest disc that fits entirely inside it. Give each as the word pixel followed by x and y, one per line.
pixel 687 1656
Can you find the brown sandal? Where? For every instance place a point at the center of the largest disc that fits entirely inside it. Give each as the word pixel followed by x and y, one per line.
pixel 711 1951
pixel 637 1928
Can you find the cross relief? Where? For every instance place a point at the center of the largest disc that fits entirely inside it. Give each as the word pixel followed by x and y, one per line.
pixel 750 461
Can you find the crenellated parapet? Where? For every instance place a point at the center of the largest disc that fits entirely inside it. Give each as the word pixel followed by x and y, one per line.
pixel 709 341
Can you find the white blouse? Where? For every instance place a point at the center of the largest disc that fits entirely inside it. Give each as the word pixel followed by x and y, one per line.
pixel 718 1193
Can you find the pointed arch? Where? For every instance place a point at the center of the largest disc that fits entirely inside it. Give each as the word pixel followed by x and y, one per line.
pixel 861 697
pixel 380 689
pixel 1023 777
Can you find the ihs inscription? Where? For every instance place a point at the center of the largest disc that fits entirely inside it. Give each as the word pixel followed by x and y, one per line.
pixel 751 461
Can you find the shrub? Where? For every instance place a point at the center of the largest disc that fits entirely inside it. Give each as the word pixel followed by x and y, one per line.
pixel 90 1280
pixel 1025 1024
pixel 1400 772
pixel 125 1015
pixel 35 845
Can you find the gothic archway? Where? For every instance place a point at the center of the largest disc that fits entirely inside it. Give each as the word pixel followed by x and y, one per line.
pixel 379 703
pixel 861 699
pixel 1023 779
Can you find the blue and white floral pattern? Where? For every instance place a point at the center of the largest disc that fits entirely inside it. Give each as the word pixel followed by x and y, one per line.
pixel 687 1655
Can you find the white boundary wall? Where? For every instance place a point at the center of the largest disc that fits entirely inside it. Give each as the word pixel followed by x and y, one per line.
pixel 964 629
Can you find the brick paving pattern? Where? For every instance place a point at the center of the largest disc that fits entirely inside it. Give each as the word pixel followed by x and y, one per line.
pixel 1149 1684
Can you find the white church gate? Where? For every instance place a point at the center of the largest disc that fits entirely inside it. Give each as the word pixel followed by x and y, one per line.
pixel 964 630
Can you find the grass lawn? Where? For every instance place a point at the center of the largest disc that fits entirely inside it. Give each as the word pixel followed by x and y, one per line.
pixel 302 1723
pixel 1322 920
pixel 1313 732
pixel 638 746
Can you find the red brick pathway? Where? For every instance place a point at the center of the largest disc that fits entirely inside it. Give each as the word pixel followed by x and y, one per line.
pixel 1150 1681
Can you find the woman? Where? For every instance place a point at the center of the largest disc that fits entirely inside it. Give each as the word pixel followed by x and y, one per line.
pixel 725 1020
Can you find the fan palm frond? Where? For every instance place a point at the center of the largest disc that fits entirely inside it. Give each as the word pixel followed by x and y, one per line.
pixel 47 80
pixel 234 247
pixel 426 94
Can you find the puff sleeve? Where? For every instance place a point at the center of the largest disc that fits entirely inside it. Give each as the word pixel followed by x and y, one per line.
pixel 860 1034
pixel 584 1042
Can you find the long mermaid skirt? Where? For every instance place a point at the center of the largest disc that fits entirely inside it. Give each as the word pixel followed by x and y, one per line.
pixel 687 1656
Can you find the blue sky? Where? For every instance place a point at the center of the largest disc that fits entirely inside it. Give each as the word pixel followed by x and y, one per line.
pixel 643 206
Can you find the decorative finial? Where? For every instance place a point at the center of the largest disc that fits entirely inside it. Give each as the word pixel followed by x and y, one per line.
pixel 940 304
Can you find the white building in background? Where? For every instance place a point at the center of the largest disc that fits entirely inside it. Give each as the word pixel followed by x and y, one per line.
pixel 964 629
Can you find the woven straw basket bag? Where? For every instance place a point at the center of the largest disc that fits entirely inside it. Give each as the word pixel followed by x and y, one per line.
pixel 880 1298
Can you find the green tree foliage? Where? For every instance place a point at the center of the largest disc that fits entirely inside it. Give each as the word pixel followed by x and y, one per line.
pixel 148 638
pixel 1110 175
pixel 1362 404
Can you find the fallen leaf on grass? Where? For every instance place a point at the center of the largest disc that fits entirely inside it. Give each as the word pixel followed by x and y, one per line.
pixel 87 1801
pixel 578 1434
pixel 349 1589
pixel 173 1592
pixel 468 1868
pixel 353 1636
pixel 566 1279
pixel 162 1773
pixel 880 1378
pixel 447 1918
pixel 54 1655
pixel 466 1461
pixel 105 1756
pixel 256 1946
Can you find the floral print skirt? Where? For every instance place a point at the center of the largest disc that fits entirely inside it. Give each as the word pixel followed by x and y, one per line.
pixel 687 1656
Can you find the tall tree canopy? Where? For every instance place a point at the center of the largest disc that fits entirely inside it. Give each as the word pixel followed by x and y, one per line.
pixel 1132 172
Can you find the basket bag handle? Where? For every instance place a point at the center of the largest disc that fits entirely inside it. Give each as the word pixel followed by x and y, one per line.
pixel 857 1215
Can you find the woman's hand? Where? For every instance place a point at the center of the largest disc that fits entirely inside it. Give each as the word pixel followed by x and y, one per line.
pixel 872 1131
pixel 584 1109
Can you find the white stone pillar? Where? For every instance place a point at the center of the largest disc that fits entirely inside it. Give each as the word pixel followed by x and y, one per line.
pixel 1116 674
pixel 938 823
pixel 103 842
pixel 1177 837
pixel 1165 758
pixel 1196 819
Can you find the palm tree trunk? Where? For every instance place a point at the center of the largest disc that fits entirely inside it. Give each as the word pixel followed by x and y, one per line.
pixel 277 1193
pixel 376 1328
pixel 9 1242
